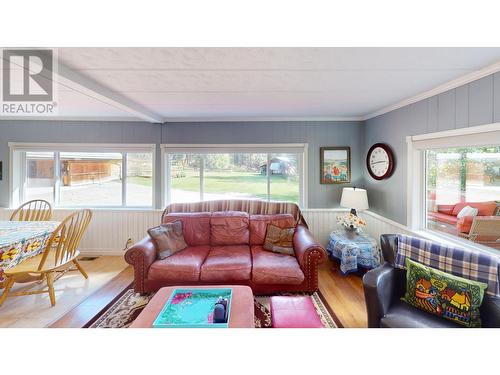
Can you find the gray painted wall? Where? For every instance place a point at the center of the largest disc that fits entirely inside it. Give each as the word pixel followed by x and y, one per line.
pixel 71 132
pixel 316 134
pixel 477 103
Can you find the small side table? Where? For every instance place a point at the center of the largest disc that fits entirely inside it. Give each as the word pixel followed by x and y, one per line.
pixel 360 251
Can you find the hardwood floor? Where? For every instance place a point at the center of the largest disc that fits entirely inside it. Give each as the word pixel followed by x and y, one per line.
pixel 344 295
pixel 91 306
pixel 35 311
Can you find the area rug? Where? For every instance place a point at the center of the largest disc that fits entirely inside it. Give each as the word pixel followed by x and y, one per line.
pixel 122 312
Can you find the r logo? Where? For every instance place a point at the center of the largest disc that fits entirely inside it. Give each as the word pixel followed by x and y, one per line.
pixel 27 75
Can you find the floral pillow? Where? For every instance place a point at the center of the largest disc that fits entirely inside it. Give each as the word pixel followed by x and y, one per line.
pixel 169 239
pixel 279 240
pixel 442 294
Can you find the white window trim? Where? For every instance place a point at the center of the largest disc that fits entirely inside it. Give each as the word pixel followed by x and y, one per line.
pixel 273 148
pixel 482 135
pixel 86 147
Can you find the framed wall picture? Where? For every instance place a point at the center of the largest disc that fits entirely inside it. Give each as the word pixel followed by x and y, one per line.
pixel 335 165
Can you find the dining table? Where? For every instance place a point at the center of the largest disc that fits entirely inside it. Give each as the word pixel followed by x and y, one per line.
pixel 20 240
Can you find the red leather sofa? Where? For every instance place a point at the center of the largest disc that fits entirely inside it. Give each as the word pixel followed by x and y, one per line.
pixel 225 247
pixel 447 213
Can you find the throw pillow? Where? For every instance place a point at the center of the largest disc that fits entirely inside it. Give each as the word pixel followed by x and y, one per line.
pixel 442 294
pixel 169 239
pixel 467 211
pixel 279 240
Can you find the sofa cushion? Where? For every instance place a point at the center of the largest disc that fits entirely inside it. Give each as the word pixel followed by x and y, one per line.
pixel 227 263
pixel 401 315
pixel 195 226
pixel 229 228
pixel 258 225
pixel 183 266
pixel 444 218
pixel 446 208
pixel 274 268
pixel 484 208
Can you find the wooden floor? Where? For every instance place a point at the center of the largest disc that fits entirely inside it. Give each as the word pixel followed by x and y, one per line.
pixel 71 290
pixel 84 312
pixel 344 295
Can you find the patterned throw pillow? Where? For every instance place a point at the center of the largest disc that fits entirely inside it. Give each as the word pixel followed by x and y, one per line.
pixel 439 293
pixel 169 239
pixel 279 240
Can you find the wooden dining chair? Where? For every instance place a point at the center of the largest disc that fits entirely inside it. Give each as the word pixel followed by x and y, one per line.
pixel 35 210
pixel 58 257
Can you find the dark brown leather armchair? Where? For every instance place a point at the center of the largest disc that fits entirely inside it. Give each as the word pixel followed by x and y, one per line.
pixel 384 287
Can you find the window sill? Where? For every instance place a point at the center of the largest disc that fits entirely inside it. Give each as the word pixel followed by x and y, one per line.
pixel 454 241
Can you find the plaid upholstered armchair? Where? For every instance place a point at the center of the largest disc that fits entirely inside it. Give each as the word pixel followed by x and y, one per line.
pixel 384 287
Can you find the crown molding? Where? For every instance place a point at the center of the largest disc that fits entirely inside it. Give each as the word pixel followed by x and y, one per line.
pixel 453 84
pixel 262 119
pixel 71 118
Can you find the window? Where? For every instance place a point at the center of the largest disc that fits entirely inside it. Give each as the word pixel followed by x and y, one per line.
pixel 201 173
pixel 83 175
pixel 459 179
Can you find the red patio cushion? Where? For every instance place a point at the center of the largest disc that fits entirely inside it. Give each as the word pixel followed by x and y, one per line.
pixel 484 208
pixel 444 218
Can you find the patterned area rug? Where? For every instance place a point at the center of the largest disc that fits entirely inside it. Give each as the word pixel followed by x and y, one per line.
pixel 124 311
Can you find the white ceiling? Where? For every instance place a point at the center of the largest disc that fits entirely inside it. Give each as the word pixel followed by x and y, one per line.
pixel 179 84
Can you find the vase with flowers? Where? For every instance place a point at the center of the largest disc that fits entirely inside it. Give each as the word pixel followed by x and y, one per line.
pixel 352 224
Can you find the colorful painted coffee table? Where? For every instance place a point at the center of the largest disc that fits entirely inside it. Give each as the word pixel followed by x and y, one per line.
pixel 20 240
pixel 242 306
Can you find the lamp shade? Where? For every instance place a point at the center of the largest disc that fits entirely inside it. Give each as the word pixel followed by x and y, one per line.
pixel 354 198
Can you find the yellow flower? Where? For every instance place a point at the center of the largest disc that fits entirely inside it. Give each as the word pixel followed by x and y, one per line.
pixel 9 254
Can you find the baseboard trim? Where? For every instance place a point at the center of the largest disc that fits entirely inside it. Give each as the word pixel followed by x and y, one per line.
pixel 101 252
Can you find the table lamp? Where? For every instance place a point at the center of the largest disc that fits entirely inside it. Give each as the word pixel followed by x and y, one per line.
pixel 355 199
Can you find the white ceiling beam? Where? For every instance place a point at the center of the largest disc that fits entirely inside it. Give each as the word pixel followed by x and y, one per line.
pixel 84 85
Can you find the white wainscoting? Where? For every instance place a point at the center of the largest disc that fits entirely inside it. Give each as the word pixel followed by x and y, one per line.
pixel 110 229
pixel 322 221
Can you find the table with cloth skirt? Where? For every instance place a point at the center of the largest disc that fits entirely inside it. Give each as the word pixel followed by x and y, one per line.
pixel 362 251
pixel 20 240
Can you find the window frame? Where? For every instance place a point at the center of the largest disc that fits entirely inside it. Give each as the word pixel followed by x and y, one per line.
pixel 260 148
pixel 17 181
pixel 416 183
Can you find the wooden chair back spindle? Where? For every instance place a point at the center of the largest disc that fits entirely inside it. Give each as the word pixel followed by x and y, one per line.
pixel 64 241
pixel 35 210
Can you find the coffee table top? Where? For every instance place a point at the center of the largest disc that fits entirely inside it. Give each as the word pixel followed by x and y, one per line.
pixel 242 306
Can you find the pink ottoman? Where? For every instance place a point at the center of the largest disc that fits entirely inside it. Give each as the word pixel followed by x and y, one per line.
pixel 294 312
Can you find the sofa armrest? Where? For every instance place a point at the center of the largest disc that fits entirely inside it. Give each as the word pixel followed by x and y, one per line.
pixel 141 256
pixel 379 286
pixel 464 224
pixel 490 312
pixel 310 253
